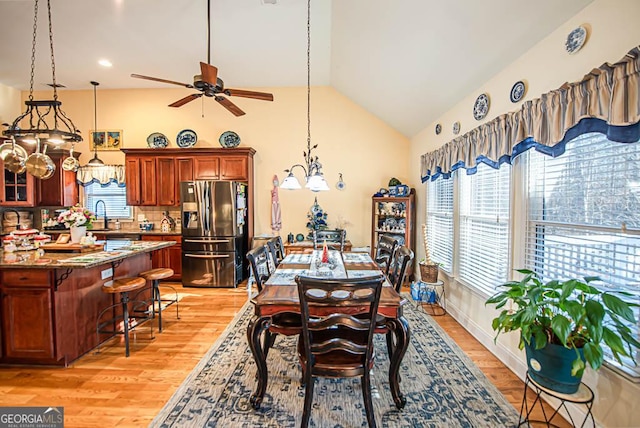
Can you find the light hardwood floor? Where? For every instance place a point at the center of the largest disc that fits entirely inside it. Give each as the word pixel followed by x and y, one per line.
pixel 108 389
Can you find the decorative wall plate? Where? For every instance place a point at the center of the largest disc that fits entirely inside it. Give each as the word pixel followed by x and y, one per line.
pixel 576 39
pixel 229 139
pixel 157 141
pixel 481 107
pixel 456 128
pixel 438 129
pixel 517 91
pixel 340 185
pixel 186 138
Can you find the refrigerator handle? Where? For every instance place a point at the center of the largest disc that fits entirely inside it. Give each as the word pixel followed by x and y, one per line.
pixel 200 256
pixel 208 241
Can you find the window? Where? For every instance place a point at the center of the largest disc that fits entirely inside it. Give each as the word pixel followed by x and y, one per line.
pixel 114 196
pixel 582 217
pixel 484 227
pixel 440 222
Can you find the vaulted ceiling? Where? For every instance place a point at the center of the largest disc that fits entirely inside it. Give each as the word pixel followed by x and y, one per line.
pixel 406 61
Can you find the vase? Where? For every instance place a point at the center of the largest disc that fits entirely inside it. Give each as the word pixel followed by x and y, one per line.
pixel 550 367
pixel 77 232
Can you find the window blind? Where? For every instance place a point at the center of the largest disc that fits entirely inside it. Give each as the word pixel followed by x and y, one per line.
pixel 114 196
pixel 440 222
pixel 583 217
pixel 484 228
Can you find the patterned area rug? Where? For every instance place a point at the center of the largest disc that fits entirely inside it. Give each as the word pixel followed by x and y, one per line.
pixel 442 386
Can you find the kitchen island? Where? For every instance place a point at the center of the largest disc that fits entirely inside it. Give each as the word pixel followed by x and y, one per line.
pixel 50 303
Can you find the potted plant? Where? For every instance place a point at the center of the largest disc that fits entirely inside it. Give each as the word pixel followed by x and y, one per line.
pixel 428 269
pixel 563 326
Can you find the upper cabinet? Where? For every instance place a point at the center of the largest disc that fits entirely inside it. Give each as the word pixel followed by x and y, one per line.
pixel 24 190
pixel 153 176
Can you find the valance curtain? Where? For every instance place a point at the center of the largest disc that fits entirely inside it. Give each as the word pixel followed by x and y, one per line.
pixel 607 100
pixel 104 174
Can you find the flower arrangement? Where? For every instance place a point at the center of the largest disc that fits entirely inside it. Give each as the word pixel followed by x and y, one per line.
pixel 77 216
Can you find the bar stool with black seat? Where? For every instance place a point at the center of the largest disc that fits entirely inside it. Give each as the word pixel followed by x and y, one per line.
pixel 155 275
pixel 123 286
pixel 339 344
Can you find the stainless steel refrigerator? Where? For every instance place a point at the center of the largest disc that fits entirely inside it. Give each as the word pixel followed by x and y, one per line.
pixel 214 233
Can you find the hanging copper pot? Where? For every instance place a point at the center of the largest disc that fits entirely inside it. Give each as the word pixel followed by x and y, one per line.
pixel 15 159
pixel 39 164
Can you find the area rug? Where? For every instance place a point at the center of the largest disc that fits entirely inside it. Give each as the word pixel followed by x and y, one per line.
pixel 443 387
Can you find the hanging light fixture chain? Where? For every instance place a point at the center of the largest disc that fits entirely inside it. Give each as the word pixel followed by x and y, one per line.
pixel 53 62
pixel 309 78
pixel 33 49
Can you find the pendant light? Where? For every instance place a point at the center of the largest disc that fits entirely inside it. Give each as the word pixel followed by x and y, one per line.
pixel 313 168
pixel 96 161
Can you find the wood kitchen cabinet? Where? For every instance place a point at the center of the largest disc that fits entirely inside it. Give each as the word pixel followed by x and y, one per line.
pixel 27 318
pixel 170 257
pixel 140 173
pixel 16 190
pixel 61 190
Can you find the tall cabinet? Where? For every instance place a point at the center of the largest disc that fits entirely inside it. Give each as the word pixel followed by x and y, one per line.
pixel 394 216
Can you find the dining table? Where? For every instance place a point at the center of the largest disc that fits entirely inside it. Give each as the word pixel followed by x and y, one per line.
pixel 279 295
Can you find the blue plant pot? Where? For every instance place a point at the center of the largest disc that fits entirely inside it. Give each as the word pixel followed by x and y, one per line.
pixel 551 367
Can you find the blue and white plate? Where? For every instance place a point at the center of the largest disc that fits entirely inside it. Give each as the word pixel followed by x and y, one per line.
pixel 438 129
pixel 576 39
pixel 186 138
pixel 157 141
pixel 229 139
pixel 517 91
pixel 481 107
pixel 456 128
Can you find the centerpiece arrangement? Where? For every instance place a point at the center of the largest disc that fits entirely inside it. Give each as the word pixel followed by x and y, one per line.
pixel 316 219
pixel 78 219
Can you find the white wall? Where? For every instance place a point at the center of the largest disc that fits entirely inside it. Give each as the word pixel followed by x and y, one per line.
pixel 613 31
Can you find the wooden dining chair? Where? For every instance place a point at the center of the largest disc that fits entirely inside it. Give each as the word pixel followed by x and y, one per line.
pixel 401 261
pixel 276 247
pixel 335 239
pixel 261 268
pixel 339 344
pixel 385 249
pixel 285 323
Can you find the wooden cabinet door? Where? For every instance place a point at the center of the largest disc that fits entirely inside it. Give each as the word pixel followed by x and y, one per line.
pixel 148 187
pixel 184 172
pixel 233 168
pixel 174 257
pixel 166 181
pixel 27 323
pixel 158 257
pixel 59 190
pixel 16 190
pixel 206 168
pixel 132 178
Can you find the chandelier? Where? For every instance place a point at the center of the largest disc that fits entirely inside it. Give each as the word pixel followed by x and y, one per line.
pixel 43 120
pixel 312 167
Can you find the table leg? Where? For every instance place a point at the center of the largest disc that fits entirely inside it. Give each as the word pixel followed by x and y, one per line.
pixel 400 329
pixel 256 327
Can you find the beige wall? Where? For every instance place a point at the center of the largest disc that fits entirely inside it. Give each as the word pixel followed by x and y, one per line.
pixel 350 141
pixel 614 30
pixel 9 104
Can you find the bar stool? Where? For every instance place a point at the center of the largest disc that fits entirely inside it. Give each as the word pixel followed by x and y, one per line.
pixel 155 275
pixel 122 286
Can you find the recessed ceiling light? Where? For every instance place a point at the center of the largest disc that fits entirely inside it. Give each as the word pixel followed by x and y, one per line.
pixel 105 63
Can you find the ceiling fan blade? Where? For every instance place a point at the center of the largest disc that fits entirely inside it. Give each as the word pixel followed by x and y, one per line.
pixel 185 100
pixel 249 94
pixel 155 79
pixel 209 73
pixel 229 106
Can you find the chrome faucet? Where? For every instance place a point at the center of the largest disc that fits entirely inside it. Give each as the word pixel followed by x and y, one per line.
pixel 106 220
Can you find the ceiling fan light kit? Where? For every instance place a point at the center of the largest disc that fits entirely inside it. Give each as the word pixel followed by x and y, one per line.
pixel 209 84
pixel 313 168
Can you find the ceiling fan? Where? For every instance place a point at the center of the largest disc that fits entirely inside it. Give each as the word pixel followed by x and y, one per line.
pixel 209 84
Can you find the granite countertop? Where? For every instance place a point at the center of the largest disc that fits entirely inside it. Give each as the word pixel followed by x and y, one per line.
pixel 113 251
pixel 118 232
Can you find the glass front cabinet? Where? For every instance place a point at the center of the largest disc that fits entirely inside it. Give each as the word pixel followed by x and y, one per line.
pixel 17 189
pixel 394 216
